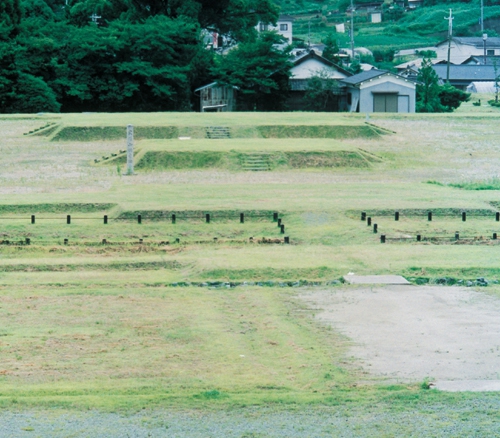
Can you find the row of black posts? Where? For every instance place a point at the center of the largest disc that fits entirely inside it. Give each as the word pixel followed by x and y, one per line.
pixel 174 219
pixel 419 237
pixel 429 216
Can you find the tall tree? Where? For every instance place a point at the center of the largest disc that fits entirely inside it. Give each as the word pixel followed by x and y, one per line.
pixel 260 69
pixel 10 17
pixel 428 89
pixel 235 17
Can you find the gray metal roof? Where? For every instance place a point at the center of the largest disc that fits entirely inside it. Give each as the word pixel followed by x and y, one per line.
pixel 466 72
pixel 491 42
pixel 364 76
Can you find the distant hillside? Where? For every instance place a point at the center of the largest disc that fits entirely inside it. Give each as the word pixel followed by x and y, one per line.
pixel 410 29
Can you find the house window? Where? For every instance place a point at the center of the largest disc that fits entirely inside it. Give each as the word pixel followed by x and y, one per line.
pixel 263 27
pixel 490 52
pixel 283 27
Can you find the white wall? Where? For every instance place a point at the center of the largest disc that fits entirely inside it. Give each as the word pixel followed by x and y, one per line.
pixel 283 27
pixel 313 67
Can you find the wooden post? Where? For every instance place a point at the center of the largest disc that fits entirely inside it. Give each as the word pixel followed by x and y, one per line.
pixel 105 219
pixel 68 219
pixel 104 241
pixel 141 241
pixel 363 215
pixel 207 218
pixel 282 229
pixel 375 228
pixel 396 216
pixel 429 216
pixel 65 241
pixel 382 238
pixel 173 218
pixel 242 218
pixel 494 236
pixel 275 217
pixel 497 216
pixel 457 235
pixel 287 239
pixel 139 219
pixel 28 241
pixel 279 222
pixel 419 237
pixel 32 218
pixel 464 216
pixel 369 221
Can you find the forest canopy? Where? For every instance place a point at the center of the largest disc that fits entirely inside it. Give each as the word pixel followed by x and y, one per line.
pixel 115 55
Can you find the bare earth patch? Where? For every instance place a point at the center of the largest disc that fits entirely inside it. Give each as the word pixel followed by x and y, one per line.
pixel 409 333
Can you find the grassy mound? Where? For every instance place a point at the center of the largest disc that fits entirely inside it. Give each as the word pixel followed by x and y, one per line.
pixel 55 208
pixel 160 215
pixel 421 212
pixel 180 160
pixel 114 266
pixel 325 159
pixel 95 133
pixel 319 131
pixel 158 160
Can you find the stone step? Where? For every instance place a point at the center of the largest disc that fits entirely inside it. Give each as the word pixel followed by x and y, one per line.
pixel 217 132
pixel 255 162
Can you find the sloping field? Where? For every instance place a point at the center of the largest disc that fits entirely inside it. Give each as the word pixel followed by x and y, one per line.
pixel 179 285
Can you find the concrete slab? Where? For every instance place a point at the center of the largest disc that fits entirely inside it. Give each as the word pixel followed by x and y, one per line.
pixel 467 385
pixel 375 279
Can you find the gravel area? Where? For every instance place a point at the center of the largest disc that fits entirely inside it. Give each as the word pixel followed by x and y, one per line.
pixel 476 418
pixel 409 333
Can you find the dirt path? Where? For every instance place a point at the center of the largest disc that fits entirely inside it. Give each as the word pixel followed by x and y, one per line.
pixel 408 333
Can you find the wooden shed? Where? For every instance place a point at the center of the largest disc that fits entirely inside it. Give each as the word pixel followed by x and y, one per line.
pixel 217 98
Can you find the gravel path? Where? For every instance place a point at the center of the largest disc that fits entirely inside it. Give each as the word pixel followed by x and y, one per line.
pixel 477 418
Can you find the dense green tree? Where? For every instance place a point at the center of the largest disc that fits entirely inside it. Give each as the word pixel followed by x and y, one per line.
pixel 331 51
pixel 435 98
pixel 355 66
pixel 142 55
pixel 321 92
pixel 30 94
pixel 260 69
pixel 236 17
pixel 10 17
pixel 451 98
pixel 428 89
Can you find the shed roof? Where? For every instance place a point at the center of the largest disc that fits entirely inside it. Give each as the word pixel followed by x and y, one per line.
pixel 215 84
pixel 466 72
pixel 364 76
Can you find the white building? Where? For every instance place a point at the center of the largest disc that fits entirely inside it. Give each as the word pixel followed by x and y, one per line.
pixel 284 27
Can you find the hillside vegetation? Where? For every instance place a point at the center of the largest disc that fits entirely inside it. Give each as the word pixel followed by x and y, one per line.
pixel 413 28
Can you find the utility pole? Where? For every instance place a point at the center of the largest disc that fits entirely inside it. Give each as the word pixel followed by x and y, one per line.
pixel 309 35
pixel 450 33
pixel 352 30
pixel 482 16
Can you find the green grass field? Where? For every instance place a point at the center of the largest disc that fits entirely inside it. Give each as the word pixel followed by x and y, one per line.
pixel 145 319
